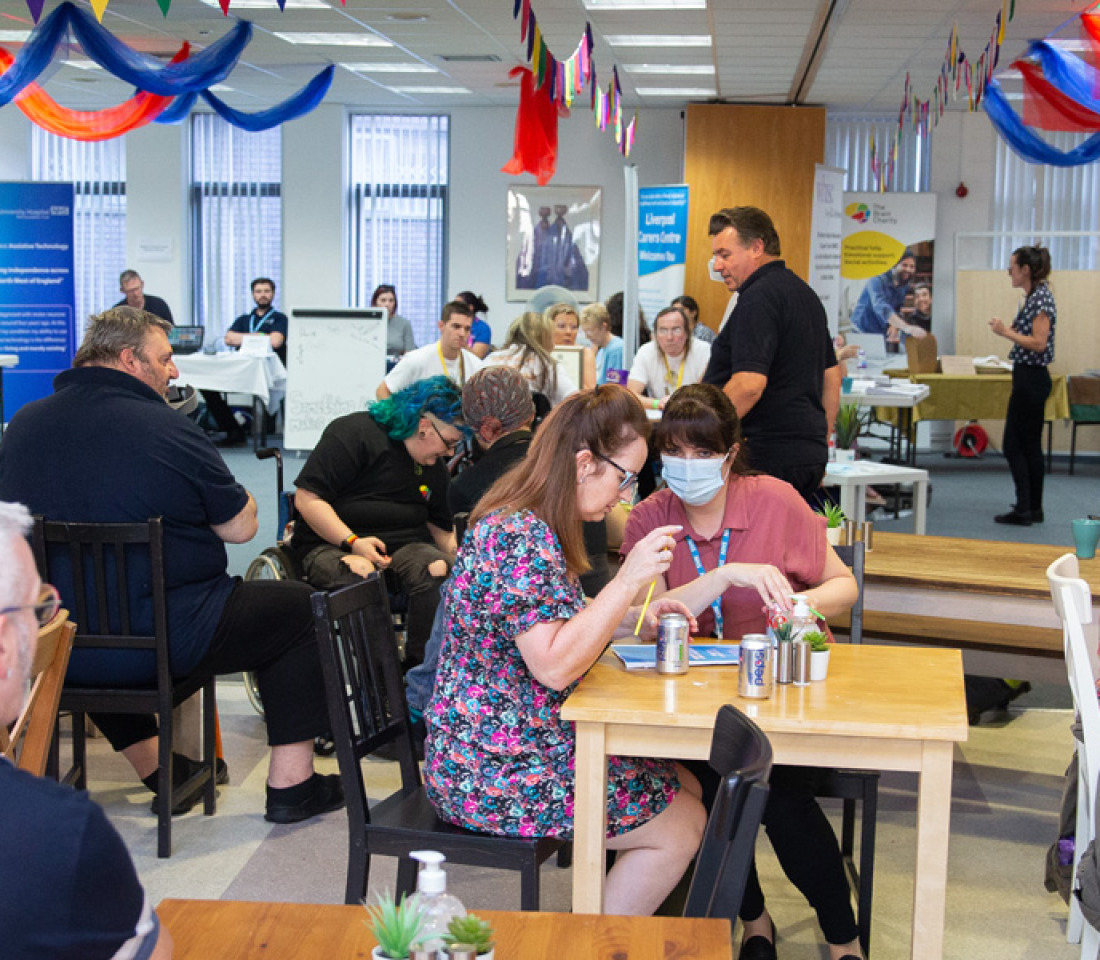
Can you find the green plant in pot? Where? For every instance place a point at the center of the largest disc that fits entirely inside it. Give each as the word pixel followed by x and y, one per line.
pixel 396 926
pixel 817 640
pixel 849 424
pixel 470 930
pixel 819 654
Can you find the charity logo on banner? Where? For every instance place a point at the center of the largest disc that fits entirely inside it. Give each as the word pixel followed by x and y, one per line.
pixel 826 234
pixel 662 246
pixel 37 292
pixel 886 265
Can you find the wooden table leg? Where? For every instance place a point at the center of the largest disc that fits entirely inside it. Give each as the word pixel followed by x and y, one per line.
pixel 589 818
pixel 933 827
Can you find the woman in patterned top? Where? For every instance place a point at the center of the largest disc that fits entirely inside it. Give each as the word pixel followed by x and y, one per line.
pixel 1032 335
pixel 499 757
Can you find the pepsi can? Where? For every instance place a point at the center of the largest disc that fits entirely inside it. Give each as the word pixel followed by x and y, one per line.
pixel 756 678
pixel 672 643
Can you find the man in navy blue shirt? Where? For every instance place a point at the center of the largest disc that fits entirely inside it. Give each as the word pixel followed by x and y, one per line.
pixel 133 289
pixel 106 448
pixel 68 888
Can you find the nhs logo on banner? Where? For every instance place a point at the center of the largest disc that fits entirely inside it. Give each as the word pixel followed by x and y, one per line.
pixel 662 245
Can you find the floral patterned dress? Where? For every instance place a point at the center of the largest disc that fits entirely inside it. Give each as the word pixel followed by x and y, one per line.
pixel 499 758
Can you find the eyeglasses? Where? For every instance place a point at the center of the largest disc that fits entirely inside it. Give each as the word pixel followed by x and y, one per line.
pixel 46 607
pixel 629 476
pixel 451 446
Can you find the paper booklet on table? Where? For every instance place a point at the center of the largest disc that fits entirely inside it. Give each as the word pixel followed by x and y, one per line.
pixel 639 656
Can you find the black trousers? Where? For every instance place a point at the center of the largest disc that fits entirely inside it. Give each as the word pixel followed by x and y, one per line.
pixel 221 412
pixel 804 477
pixel 266 627
pixel 804 844
pixel 1023 436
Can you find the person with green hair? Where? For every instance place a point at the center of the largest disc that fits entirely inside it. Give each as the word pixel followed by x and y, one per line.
pixel 373 496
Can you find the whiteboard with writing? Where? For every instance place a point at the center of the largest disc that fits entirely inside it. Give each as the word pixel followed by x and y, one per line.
pixel 335 361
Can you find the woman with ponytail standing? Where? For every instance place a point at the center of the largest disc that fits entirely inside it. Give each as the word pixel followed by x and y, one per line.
pixel 1032 335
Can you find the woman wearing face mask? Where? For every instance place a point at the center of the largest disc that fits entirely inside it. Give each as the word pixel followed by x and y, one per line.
pixel 747 540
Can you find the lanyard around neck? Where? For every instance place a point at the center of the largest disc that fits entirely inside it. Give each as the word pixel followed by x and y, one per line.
pixel 716 606
pixel 255 322
pixel 668 370
pixel 446 369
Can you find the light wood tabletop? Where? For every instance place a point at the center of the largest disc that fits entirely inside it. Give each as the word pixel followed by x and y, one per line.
pixel 233 930
pixel 881 708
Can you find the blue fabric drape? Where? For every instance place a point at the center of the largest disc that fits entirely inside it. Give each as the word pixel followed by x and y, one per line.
pixel 1027 144
pixel 305 100
pixel 196 73
pixel 1071 75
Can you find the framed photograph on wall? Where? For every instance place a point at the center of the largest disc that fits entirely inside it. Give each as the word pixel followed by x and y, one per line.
pixel 553 238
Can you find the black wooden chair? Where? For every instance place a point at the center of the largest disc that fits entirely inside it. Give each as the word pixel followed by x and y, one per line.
pixel 742 755
pixel 366 699
pixel 856 786
pixel 95 559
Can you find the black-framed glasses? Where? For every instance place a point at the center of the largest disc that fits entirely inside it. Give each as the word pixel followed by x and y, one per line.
pixel 629 476
pixel 45 608
pixel 449 446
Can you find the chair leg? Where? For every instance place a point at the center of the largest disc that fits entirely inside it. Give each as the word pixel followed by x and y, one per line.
pixel 80 753
pixel 565 856
pixel 164 786
pixel 406 877
pixel 209 746
pixel 1072 445
pixel 355 891
pixel 867 863
pixel 529 884
pixel 848 829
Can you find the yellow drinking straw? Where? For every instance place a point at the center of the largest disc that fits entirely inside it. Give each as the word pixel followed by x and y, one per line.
pixel 645 606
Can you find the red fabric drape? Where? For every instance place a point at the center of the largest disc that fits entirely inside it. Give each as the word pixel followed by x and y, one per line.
pixel 1047 108
pixel 42 109
pixel 536 141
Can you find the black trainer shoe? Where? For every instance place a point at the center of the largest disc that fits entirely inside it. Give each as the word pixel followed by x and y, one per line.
pixel 1014 518
pixel 318 795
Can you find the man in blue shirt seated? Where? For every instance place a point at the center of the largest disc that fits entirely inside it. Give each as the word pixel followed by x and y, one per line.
pixel 106 448
pixel 877 309
pixel 68 888
pixel 133 289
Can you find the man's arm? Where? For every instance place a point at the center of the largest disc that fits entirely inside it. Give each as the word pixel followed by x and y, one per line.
pixel 830 397
pixel 277 339
pixel 242 527
pixel 744 390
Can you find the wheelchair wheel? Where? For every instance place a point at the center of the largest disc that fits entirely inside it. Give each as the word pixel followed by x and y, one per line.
pixel 273 564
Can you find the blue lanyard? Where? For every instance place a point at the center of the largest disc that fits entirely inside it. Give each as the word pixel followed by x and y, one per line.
pixel 716 606
pixel 254 322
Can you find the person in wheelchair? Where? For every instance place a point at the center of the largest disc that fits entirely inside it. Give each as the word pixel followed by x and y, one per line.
pixel 373 496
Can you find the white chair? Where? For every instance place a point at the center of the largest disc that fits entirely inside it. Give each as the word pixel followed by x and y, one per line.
pixel 1073 605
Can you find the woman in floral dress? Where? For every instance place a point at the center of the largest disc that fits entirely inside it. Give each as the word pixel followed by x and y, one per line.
pixel 499 757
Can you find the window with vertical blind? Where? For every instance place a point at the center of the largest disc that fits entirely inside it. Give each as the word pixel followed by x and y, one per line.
pixel 237 218
pixel 1031 201
pixel 98 174
pixel 397 196
pixel 848 147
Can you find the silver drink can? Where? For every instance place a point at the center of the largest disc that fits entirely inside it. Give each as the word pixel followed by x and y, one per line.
pixel 755 679
pixel 672 643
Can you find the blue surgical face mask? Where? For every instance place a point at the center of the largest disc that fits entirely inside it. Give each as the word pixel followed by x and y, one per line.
pixel 695 481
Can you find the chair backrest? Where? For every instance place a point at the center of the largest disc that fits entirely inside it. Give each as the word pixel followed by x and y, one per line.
pixel 92 565
pixel 741 754
pixel 1083 393
pixel 1073 605
pixel 28 745
pixel 854 557
pixel 922 355
pixel 363 684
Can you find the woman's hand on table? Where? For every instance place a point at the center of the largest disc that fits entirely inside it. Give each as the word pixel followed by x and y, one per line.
pixel 767 580
pixel 650 557
pixel 657 608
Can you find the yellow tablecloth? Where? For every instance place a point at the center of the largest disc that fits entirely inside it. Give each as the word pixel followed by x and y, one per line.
pixel 976 396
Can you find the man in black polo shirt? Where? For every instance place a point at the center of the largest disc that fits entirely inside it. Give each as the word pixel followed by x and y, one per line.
pixel 106 448
pixel 134 295
pixel 774 359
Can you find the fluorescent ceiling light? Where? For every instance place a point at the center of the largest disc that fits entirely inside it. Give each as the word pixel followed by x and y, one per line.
pixel 389 67
pixel 677 69
pixel 14 36
pixel 429 90
pixel 335 39
pixel 82 64
pixel 271 4
pixel 644 4
pixel 1070 45
pixel 657 40
pixel 675 91
pixel 220 88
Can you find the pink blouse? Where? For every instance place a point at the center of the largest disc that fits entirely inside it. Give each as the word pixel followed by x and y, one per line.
pixel 769 523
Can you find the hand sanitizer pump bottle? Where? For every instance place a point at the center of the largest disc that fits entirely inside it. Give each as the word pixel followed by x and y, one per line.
pixel 438 907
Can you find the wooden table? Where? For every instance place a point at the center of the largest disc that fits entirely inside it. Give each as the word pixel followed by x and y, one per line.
pixel 957 591
pixel 881 708
pixel 855 476
pixel 228 930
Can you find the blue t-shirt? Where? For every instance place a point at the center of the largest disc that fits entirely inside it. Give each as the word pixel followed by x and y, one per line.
pixel 480 332
pixel 271 322
pixel 609 358
pixel 104 448
pixel 881 298
pixel 68 889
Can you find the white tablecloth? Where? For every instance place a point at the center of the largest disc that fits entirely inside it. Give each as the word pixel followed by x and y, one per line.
pixel 263 377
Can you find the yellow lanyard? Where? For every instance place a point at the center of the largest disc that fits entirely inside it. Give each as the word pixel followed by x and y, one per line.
pixel 446 369
pixel 680 373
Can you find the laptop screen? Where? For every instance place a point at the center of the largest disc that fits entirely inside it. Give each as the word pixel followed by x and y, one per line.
pixel 185 339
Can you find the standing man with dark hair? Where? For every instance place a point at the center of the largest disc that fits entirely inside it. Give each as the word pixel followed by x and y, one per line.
pixel 774 359
pixel 447 357
pixel 134 295
pixel 263 319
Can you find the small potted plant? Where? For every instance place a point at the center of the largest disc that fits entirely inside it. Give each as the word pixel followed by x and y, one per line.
pixel 849 424
pixel 396 926
pixel 819 654
pixel 471 931
pixel 834 522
